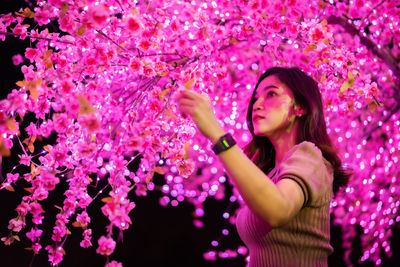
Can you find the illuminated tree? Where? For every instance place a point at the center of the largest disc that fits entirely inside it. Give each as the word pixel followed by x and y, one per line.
pixel 102 76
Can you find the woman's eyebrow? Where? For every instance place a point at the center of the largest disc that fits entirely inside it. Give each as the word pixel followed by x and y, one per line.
pixel 270 87
pixel 266 88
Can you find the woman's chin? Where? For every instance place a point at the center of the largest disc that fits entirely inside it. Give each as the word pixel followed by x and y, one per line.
pixel 259 132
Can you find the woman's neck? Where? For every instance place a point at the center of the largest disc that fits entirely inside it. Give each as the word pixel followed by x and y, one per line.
pixel 282 143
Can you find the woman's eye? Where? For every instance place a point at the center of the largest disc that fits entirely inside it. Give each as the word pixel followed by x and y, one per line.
pixel 271 93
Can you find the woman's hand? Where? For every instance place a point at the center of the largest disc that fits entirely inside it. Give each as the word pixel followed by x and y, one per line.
pixel 199 108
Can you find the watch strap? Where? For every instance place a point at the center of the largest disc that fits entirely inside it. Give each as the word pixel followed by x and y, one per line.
pixel 224 143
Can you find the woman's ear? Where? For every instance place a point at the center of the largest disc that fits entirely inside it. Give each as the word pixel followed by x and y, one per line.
pixel 299 110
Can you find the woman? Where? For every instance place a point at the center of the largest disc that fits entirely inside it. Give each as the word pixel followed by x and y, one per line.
pixel 286 174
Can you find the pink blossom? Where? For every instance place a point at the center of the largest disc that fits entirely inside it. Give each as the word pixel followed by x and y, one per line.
pixel 17 59
pixel 141 190
pixel 31 129
pixel 87 232
pixel 83 218
pixel 16 224
pixel 61 123
pixel 90 121
pixel 145 45
pixel 25 159
pixel 40 193
pixel 3 28
pixel 159 12
pixel 33 234
pixel 69 204
pixel 48 180
pixel 91 60
pixel 86 242
pixel 56 3
pixel 84 200
pixel 59 232
pixel 55 255
pixel 316 34
pixel 275 25
pixel 136 65
pixel 7 19
pixel 42 16
pixel 67 86
pixel 148 71
pixel 12 178
pixel 62 218
pixel 118 212
pixel 186 168
pixel 59 154
pixel 133 24
pixel 174 26
pixel 98 15
pixel 155 105
pixel 87 237
pixel 147 34
pixel 23 208
pixel 36 247
pixel 106 246
pixel 86 149
pixel 27 177
pixel 32 54
pixel 8 240
pixel 38 219
pixel 160 67
pixel 134 143
pixel 21 30
pixel 35 209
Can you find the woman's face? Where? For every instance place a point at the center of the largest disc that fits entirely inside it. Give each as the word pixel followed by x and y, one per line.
pixel 274 108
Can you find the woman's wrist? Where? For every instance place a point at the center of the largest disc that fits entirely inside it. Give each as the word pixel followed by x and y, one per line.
pixel 216 135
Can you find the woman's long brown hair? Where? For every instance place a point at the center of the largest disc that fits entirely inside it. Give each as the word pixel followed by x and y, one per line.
pixel 312 126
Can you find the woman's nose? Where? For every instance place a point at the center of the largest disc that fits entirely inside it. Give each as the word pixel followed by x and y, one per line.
pixel 257 105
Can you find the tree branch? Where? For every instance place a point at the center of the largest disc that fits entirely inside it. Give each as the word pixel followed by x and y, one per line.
pixel 385 57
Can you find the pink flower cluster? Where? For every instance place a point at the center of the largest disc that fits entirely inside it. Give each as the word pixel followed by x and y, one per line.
pixel 106 246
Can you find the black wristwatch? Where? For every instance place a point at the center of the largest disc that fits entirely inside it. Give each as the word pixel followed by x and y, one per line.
pixel 224 143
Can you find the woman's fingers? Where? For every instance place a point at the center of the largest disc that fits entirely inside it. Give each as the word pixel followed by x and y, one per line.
pixel 187 94
pixel 185 101
pixel 199 108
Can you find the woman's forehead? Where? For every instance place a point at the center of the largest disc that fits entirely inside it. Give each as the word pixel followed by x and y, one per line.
pixel 273 82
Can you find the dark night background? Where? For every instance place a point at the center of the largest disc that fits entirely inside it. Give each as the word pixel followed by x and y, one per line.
pixel 159 236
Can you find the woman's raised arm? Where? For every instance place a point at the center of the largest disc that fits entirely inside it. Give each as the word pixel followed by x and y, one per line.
pixel 274 203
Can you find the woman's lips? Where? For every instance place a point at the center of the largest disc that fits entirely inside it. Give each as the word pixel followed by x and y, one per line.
pixel 257 117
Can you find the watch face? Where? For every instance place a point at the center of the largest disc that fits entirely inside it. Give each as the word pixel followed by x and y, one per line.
pixel 225 143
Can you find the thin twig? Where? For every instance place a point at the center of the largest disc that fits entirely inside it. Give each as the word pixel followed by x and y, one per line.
pixel 114 42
